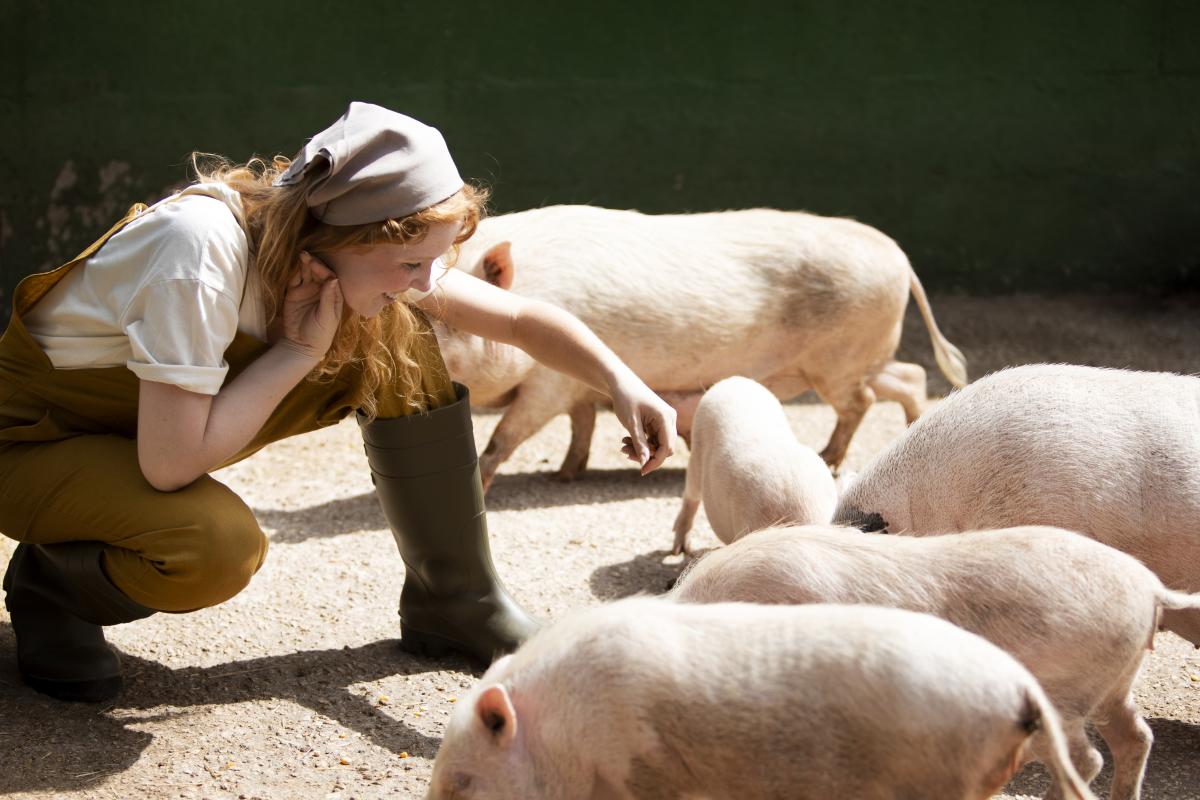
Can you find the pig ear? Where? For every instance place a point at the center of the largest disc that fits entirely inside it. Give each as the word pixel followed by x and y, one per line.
pixel 495 711
pixel 498 265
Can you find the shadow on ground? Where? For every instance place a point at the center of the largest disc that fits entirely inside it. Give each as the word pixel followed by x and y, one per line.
pixel 642 574
pixel 51 746
pixel 523 491
pixel 511 492
pixel 1173 772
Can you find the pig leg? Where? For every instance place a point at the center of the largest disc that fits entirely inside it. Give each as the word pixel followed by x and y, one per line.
pixel 583 423
pixel 1087 759
pixel 687 512
pixel 1129 739
pixel 904 383
pixel 851 404
pixel 536 403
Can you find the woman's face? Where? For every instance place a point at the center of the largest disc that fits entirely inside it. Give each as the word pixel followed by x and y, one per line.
pixel 373 277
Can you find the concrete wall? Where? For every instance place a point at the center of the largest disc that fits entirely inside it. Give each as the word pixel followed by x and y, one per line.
pixel 1025 144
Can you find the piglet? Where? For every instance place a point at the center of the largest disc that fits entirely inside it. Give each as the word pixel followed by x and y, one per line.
pixel 648 698
pixel 1078 614
pixel 747 467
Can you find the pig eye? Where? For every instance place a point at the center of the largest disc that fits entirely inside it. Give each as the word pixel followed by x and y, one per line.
pixel 462 782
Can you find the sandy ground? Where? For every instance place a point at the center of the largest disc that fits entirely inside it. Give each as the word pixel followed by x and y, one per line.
pixel 296 687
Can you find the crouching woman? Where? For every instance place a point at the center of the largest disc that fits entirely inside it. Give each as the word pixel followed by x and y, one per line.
pixel 261 302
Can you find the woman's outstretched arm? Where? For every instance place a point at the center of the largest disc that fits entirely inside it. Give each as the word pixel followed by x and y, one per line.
pixel 558 339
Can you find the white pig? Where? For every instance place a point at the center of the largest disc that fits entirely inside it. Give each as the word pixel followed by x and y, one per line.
pixel 1113 454
pixel 747 467
pixel 1077 613
pixel 793 300
pixel 647 698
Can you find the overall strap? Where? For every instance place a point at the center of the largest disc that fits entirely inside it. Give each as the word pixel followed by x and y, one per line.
pixel 34 287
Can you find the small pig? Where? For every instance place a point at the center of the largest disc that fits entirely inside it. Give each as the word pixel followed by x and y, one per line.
pixel 748 468
pixel 1112 454
pixel 648 698
pixel 1078 614
pixel 794 301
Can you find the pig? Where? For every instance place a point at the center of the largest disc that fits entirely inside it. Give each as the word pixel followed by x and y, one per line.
pixel 648 698
pixel 1078 614
pixel 1113 454
pixel 792 300
pixel 748 468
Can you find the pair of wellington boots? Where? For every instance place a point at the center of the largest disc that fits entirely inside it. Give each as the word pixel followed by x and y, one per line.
pixel 426 474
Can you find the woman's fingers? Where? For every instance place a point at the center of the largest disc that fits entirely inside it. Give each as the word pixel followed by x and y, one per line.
pixel 660 438
pixel 312 306
pixel 317 268
pixel 651 426
pixel 657 457
pixel 312 270
pixel 330 309
pixel 639 439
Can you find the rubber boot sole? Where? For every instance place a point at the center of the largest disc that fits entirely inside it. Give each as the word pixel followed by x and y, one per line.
pixel 90 691
pixel 432 645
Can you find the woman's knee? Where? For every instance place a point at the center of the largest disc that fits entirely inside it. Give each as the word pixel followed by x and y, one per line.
pixel 208 555
pixel 232 547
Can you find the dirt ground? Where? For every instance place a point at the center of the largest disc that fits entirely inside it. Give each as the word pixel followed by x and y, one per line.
pixel 296 687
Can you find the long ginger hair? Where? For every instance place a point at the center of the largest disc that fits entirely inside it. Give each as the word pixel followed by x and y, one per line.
pixel 279 226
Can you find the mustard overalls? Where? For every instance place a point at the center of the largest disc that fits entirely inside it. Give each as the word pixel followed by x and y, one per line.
pixel 100 545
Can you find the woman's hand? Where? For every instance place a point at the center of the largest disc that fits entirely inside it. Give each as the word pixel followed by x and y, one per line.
pixel 312 309
pixel 649 420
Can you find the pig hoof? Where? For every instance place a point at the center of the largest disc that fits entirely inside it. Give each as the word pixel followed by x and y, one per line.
pixel 566 475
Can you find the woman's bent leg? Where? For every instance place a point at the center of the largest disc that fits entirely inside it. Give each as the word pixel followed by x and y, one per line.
pixel 100 546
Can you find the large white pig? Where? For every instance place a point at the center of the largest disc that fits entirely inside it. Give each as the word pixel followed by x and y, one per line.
pixel 648 698
pixel 1113 454
pixel 1077 613
pixel 794 301
pixel 748 469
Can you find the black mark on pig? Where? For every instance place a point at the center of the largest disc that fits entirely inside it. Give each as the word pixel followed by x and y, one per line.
pixel 867 523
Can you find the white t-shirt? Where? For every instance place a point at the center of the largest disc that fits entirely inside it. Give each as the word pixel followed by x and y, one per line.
pixel 165 296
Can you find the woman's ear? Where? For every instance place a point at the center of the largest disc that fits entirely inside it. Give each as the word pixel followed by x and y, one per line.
pixel 498 265
pixel 494 710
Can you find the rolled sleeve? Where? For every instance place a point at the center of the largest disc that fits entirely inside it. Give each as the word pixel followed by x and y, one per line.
pixel 178 331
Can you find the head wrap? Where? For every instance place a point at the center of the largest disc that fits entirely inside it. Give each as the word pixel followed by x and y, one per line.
pixel 373 164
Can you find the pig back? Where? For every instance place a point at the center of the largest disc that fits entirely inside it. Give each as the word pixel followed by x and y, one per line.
pixel 745 700
pixel 688 296
pixel 1113 454
pixel 1019 588
pixel 755 473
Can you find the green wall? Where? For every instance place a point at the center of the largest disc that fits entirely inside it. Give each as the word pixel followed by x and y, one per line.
pixel 1016 145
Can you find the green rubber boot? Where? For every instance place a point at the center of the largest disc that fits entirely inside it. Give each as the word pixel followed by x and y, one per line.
pixel 426 473
pixel 58 597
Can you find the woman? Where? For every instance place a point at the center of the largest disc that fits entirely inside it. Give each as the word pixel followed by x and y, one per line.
pixel 258 303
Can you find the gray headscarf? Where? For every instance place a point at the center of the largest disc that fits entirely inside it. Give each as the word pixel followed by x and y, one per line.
pixel 374 164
